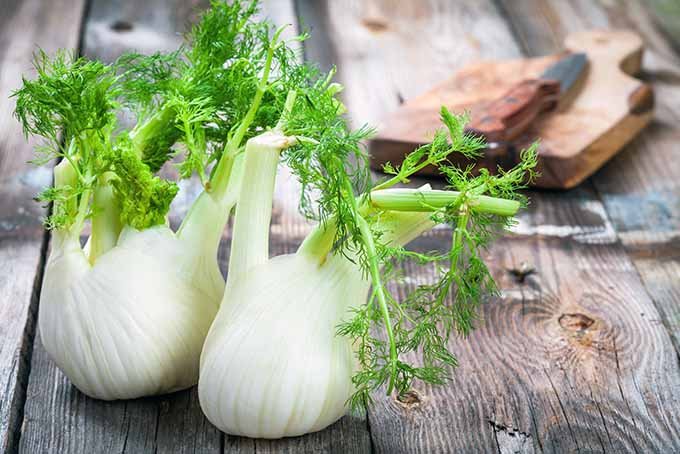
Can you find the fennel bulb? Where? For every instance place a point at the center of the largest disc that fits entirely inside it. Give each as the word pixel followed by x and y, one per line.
pixel 292 346
pixel 132 324
pixel 126 316
pixel 272 365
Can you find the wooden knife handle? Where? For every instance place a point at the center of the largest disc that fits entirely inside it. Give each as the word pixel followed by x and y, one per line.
pixel 508 117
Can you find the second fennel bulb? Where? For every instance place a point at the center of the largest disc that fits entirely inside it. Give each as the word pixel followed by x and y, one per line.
pixel 272 365
pixel 293 344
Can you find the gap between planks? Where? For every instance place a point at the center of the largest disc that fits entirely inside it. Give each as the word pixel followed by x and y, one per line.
pixel 23 242
pixel 32 322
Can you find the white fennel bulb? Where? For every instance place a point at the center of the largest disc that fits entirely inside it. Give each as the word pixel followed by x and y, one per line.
pixel 131 321
pixel 132 324
pixel 272 365
pixel 294 343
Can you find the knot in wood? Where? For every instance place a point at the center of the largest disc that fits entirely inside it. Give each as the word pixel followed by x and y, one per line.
pixel 409 399
pixel 121 26
pixel 374 24
pixel 521 272
pixel 575 322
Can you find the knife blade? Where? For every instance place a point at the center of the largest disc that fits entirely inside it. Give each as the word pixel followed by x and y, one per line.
pixel 506 118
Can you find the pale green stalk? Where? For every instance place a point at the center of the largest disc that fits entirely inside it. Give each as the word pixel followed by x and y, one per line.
pixel 143 132
pixel 65 175
pixel 106 223
pixel 250 237
pixel 431 200
pixel 215 203
pixel 320 241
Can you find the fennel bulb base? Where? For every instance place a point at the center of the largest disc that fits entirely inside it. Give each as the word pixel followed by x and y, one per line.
pixel 132 324
pixel 272 365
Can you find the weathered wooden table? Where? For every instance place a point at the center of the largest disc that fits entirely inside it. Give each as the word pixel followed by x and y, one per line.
pixel 580 355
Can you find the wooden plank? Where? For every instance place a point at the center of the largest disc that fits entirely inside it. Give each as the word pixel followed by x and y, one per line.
pixel 396 49
pixel 61 419
pixel 23 26
pixel 639 188
pixel 667 15
pixel 572 357
pixel 119 25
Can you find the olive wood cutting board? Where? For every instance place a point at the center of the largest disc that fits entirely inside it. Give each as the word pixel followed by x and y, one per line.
pixel 597 117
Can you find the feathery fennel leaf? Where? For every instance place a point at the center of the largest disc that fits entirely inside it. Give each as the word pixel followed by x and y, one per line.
pixel 425 318
pixel 227 83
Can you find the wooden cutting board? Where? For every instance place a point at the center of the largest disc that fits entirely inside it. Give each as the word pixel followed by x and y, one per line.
pixel 606 109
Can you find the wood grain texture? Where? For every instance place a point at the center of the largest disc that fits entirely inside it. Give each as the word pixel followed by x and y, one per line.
pixel 640 188
pixel 60 419
pixel 116 26
pixel 573 357
pixel 23 26
pixel 397 48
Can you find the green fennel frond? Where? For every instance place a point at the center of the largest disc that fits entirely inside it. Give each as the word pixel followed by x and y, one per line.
pixel 215 81
pixel 64 200
pixel 144 79
pixel 227 83
pixel 329 161
pixel 452 139
pixel 144 198
pixel 71 104
pixel 70 95
pixel 423 320
pixel 192 115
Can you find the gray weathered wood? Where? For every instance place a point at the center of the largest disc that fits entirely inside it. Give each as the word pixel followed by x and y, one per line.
pixel 573 356
pixel 116 26
pixel 61 419
pixel 23 26
pixel 640 188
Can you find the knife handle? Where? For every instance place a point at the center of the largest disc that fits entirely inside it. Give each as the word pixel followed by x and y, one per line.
pixel 506 118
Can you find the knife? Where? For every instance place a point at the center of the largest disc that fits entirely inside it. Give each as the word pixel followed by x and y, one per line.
pixel 506 118
pixel 501 121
